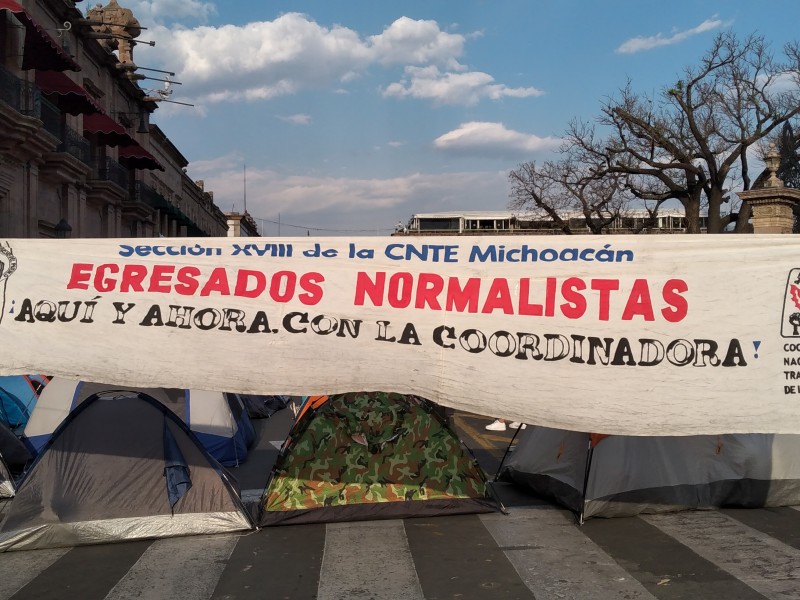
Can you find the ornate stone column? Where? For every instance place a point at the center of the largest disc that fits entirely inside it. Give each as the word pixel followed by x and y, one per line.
pixel 119 25
pixel 772 204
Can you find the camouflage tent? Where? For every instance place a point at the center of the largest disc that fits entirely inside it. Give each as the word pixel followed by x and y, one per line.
pixel 371 455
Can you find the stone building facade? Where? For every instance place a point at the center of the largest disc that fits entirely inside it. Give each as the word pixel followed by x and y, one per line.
pixel 78 154
pixel 241 225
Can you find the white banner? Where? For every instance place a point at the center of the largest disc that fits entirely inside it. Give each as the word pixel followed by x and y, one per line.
pixel 638 335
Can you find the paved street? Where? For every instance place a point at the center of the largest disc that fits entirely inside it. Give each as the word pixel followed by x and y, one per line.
pixel 535 551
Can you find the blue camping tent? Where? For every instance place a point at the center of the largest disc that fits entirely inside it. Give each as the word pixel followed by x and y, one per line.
pixel 217 419
pixel 18 396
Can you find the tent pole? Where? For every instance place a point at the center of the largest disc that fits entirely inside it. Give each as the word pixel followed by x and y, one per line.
pixel 507 452
pixel 589 456
pixel 496 497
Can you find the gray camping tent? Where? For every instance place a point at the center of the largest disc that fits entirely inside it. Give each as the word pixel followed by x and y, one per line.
pixel 217 419
pixel 6 481
pixel 612 476
pixel 121 467
pixel 13 458
pixel 13 451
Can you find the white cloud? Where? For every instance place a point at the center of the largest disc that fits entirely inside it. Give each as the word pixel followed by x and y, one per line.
pixel 292 53
pixel 640 44
pixel 783 82
pixel 330 205
pixel 163 11
pixel 262 59
pixel 298 119
pixel 220 164
pixel 453 88
pixel 492 140
pixel 391 144
pixel 407 41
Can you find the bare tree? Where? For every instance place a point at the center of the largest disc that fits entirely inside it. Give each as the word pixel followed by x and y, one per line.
pixel 789 148
pixel 690 143
pixel 563 190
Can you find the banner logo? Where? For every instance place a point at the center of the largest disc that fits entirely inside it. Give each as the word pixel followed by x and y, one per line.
pixel 790 323
pixel 8 264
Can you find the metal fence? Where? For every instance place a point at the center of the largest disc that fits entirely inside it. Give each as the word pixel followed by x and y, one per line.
pixel 50 116
pixel 75 144
pixel 110 170
pixel 22 96
pixel 27 99
pixel 145 194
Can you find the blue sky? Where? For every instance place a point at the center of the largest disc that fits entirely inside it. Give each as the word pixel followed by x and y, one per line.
pixel 352 116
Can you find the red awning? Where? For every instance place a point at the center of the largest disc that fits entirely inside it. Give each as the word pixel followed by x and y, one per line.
pixel 41 50
pixel 72 98
pixel 138 158
pixel 107 130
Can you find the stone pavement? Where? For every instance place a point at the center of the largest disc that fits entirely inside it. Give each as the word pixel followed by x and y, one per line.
pixel 535 551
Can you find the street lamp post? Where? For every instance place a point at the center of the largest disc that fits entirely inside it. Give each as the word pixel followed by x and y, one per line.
pixel 63 229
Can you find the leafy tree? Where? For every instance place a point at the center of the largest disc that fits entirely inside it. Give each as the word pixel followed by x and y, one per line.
pixel 689 143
